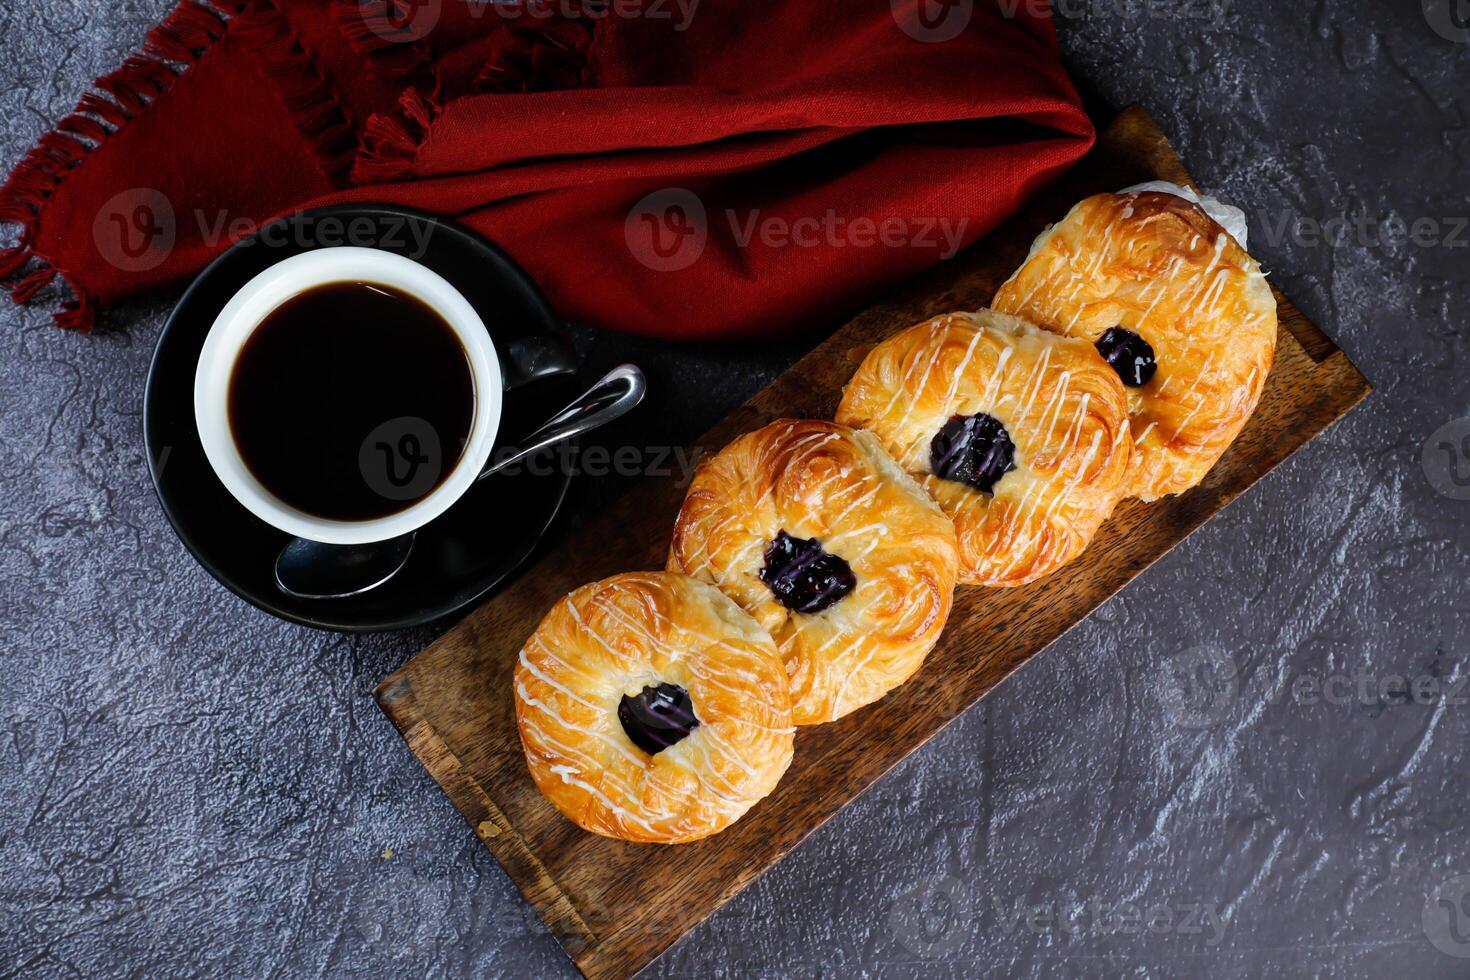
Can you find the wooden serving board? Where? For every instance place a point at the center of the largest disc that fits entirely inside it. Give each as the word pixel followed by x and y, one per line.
pixel 615 906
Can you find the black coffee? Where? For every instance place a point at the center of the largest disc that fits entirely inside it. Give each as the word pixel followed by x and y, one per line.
pixel 351 401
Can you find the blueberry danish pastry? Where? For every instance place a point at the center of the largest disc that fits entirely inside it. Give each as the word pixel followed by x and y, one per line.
pixel 1020 434
pixel 1176 306
pixel 819 535
pixel 652 709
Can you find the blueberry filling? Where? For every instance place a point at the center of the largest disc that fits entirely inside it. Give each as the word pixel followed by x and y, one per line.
pixel 802 576
pixel 1129 354
pixel 657 717
pixel 975 450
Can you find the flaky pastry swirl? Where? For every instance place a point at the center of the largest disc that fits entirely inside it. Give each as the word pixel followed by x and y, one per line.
pixel 1061 405
pixel 616 637
pixel 816 480
pixel 1157 265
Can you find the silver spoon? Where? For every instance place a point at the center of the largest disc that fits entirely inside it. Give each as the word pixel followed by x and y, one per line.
pixel 313 570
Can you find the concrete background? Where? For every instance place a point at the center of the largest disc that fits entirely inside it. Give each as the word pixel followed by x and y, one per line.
pixel 193 788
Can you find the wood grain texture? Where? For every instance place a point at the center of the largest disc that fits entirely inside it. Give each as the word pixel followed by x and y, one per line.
pixel 615 906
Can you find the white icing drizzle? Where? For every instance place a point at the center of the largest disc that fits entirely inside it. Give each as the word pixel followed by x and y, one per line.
pixel 695 755
pixel 954 381
pixel 934 352
pixel 1204 291
pixel 566 751
pixel 852 674
pixel 867 496
pixel 935 329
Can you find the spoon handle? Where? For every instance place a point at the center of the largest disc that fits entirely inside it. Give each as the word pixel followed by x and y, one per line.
pixel 614 394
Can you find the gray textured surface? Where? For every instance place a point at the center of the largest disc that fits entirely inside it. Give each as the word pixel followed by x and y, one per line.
pixel 191 787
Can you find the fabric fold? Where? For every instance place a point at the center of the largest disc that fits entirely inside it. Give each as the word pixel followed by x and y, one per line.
pixel 728 170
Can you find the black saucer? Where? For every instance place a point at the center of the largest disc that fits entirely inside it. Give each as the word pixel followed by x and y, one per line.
pixel 459 557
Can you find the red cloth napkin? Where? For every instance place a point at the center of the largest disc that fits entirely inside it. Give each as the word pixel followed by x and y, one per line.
pixel 689 169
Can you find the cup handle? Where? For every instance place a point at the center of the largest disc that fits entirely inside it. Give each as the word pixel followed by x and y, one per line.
pixel 614 395
pixel 530 359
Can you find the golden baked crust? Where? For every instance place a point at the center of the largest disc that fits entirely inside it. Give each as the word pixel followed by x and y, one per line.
pixel 819 480
pixel 1157 265
pixel 1061 404
pixel 615 637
